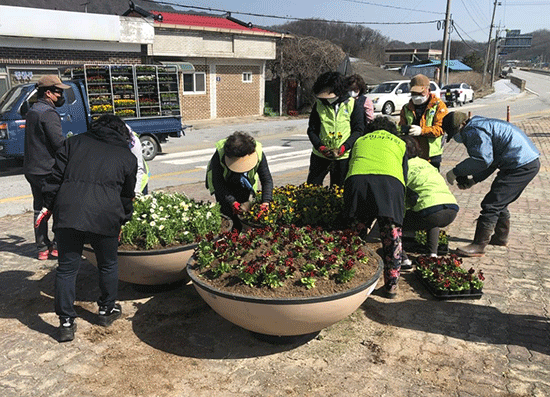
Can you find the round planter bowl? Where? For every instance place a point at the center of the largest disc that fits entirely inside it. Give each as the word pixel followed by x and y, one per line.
pixel 155 267
pixel 283 316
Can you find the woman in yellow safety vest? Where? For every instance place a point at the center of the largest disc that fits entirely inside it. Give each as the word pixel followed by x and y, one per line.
pixel 429 202
pixel 335 123
pixel 375 189
pixel 235 172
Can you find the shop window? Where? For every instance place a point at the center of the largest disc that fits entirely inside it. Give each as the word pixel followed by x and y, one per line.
pixel 194 83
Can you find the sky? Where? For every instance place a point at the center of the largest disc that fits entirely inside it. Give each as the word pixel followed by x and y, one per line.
pixel 472 18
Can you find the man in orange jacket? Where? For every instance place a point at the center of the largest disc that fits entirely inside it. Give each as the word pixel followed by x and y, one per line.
pixel 423 117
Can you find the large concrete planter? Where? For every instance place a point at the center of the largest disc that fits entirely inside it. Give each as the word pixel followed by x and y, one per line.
pixel 283 316
pixel 155 267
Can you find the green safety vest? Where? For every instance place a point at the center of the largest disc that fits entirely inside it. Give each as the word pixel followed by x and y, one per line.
pixel 334 125
pixel 379 153
pixel 435 145
pixel 252 174
pixel 426 181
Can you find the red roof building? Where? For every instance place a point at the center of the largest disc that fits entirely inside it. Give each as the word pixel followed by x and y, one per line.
pixel 210 22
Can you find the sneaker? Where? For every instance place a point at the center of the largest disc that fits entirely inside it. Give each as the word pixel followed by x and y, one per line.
pixel 67 329
pixel 43 255
pixel 107 317
pixel 390 292
pixel 406 264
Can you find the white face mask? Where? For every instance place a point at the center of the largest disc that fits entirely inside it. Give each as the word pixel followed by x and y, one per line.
pixel 419 100
pixel 353 94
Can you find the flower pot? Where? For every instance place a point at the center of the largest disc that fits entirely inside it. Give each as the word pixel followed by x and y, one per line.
pixel 283 316
pixel 154 267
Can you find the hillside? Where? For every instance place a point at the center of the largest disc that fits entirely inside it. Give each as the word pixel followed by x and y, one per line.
pixel 112 7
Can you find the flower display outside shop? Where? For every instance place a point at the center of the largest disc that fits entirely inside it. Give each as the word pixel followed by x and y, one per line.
pixel 148 102
pixel 301 205
pixel 162 220
pixel 96 79
pixel 125 113
pixel 146 77
pixel 125 102
pixel 445 275
pixel 100 100
pixel 286 261
pixel 101 108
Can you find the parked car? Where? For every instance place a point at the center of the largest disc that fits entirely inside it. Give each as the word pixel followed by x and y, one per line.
pixel 462 93
pixel 392 95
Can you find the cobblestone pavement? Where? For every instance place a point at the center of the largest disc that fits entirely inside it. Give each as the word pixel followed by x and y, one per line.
pixel 170 343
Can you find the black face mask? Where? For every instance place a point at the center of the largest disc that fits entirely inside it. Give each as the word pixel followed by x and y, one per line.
pixel 60 101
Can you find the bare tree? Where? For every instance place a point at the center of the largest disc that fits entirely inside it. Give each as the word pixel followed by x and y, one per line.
pixel 355 40
pixel 303 59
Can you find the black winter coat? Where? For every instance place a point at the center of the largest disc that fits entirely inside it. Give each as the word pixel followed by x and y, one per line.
pixel 92 183
pixel 43 137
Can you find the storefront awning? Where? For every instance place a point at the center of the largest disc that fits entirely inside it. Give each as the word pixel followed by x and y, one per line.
pixel 183 66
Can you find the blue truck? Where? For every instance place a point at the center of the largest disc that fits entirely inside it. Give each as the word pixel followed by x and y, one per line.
pixel 146 97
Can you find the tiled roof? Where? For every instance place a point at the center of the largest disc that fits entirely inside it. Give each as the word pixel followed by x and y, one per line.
pixel 205 21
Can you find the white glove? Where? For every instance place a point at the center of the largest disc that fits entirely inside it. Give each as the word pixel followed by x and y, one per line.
pixel 415 130
pixel 451 177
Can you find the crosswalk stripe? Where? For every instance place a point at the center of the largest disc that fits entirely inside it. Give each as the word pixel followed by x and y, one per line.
pixel 199 152
pixel 195 158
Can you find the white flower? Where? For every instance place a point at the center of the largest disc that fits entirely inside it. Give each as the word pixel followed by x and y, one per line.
pixel 144 216
pixel 208 215
pixel 212 204
pixel 161 227
pixel 152 223
pixel 161 208
pixel 185 233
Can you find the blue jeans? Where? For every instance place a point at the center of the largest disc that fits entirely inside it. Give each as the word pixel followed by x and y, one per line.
pixel 69 245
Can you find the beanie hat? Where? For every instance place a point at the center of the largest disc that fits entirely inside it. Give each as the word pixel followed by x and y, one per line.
pixel 452 122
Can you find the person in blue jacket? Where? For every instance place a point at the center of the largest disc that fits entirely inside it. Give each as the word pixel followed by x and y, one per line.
pixel 491 144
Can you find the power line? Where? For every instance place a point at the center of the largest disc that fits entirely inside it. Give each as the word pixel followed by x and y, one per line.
pixel 287 17
pixel 471 16
pixel 394 7
pixel 462 38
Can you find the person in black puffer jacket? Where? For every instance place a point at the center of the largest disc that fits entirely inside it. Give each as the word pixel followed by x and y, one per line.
pixel 90 193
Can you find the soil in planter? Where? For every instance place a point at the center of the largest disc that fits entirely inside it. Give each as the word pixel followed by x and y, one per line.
pixel 230 283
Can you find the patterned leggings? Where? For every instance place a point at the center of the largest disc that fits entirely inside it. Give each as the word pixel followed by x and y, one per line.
pixel 392 247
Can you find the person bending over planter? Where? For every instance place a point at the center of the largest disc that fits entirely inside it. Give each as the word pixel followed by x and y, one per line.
pixel 90 194
pixel 429 202
pixel 234 173
pixel 335 123
pixel 491 144
pixel 375 189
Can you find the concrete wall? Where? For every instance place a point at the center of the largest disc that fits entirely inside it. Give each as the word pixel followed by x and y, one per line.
pixel 190 43
pixel 518 82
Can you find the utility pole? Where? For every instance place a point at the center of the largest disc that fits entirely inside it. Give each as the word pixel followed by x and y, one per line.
pixel 495 57
pixel 445 41
pixel 489 43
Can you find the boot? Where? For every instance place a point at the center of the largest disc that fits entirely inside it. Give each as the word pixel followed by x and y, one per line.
pixel 502 230
pixel 481 239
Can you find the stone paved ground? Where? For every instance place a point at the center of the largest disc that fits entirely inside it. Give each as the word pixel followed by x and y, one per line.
pixel 171 344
